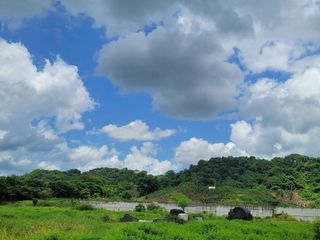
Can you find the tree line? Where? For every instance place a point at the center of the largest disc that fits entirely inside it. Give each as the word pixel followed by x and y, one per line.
pixel 292 173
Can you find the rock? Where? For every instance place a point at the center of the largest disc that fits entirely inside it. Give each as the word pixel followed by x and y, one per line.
pixel 128 218
pixel 144 221
pixel 240 213
pixel 183 216
pixel 176 212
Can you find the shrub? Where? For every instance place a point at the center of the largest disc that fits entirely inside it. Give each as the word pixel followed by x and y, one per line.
pixel 106 218
pixel 140 208
pixel 317 230
pixel 34 202
pixel 45 203
pixel 156 209
pixel 85 207
pixel 182 200
pixel 152 207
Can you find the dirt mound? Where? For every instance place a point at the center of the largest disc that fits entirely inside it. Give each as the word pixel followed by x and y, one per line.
pixel 292 198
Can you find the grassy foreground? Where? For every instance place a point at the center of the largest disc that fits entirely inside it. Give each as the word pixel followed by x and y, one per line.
pixel 61 223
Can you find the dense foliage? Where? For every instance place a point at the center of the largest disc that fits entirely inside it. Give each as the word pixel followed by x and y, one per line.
pixel 248 177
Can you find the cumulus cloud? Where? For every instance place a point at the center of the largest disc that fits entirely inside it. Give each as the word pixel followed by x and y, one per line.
pixel 268 33
pixel 270 141
pixel 11 164
pixel 87 157
pixel 284 119
pixel 195 149
pixel 182 63
pixel 136 130
pixel 144 159
pixel 251 139
pixel 121 16
pixel 31 98
pixel 293 104
pixel 3 133
pixel 46 166
pixel 84 158
pixel 13 12
pixel 181 66
pixel 279 37
pixel 285 115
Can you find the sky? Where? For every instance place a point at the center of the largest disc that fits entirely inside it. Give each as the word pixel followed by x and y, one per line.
pixel 156 85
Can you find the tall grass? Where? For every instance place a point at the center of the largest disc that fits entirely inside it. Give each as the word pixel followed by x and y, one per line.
pixel 69 223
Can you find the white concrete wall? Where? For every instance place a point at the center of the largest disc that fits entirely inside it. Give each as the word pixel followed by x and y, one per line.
pixel 305 214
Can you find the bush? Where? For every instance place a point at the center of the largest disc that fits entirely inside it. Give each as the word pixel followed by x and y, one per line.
pixel 317 230
pixel 152 207
pixel 34 202
pixel 181 200
pixel 85 207
pixel 156 209
pixel 106 218
pixel 140 208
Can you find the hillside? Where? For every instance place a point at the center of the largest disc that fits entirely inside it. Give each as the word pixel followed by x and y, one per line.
pixel 290 181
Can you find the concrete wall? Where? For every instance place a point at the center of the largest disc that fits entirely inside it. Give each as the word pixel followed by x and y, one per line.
pixel 305 214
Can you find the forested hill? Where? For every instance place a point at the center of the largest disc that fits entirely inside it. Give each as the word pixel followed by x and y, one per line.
pixel 292 180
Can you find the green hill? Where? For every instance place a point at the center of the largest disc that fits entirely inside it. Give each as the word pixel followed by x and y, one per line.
pixel 290 181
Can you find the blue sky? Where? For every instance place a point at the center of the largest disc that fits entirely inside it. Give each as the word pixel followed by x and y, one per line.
pixel 155 86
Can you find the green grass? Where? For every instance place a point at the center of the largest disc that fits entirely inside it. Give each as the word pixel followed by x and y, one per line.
pixel 23 222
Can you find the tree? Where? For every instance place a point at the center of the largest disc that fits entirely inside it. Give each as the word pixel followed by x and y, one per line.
pixel 181 200
pixel 148 184
pixel 140 208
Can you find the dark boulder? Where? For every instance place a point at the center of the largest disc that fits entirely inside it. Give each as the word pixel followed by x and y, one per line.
pixel 176 212
pixel 128 218
pixel 240 213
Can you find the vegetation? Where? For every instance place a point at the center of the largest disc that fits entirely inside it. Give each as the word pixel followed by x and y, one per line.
pixel 317 230
pixel 22 221
pixel 140 208
pixel 290 181
pixel 181 200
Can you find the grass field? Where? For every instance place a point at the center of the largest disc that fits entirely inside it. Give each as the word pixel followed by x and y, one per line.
pixel 24 222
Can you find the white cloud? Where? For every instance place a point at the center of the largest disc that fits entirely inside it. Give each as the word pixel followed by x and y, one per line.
pixel 293 104
pixel 144 159
pixel 268 33
pixel 3 133
pixel 46 166
pixel 9 163
pixel 285 115
pixel 195 149
pixel 54 93
pixel 182 66
pixel 36 107
pixel 136 130
pixel 87 157
pixel 270 141
pixel 251 139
